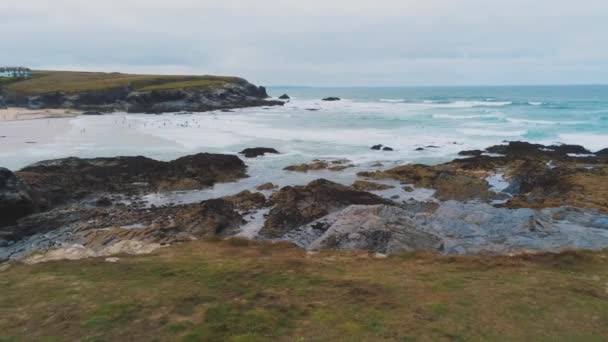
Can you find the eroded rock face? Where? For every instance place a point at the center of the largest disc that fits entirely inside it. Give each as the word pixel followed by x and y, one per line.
pixel 105 229
pixel 378 228
pixel 257 151
pixel 63 180
pixel 16 199
pixel 295 206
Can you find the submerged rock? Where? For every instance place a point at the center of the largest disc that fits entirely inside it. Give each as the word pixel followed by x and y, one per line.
pixel 332 98
pixel 298 205
pixel 335 165
pixel 257 151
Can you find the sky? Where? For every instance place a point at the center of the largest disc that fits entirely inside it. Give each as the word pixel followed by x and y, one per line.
pixel 317 42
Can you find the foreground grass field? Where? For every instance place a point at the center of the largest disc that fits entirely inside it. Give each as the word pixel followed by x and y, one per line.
pixel 43 82
pixel 240 291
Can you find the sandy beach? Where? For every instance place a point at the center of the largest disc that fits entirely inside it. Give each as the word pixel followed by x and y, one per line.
pixel 23 129
pixel 16 114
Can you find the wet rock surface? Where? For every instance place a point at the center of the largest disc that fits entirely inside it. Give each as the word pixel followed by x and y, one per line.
pixel 257 151
pixel 315 165
pixel 62 180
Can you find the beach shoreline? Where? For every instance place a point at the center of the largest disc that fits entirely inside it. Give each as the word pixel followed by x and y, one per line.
pixel 19 114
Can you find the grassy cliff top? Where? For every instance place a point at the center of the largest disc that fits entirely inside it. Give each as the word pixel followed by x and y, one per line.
pixel 72 82
pixel 246 291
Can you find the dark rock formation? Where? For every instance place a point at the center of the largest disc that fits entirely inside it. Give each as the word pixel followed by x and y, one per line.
pixel 295 206
pixel 334 165
pixel 331 98
pixel 386 148
pixel 99 229
pixel 247 200
pixel 474 153
pixel 376 147
pixel 257 151
pixel 284 97
pixel 62 180
pixel 16 199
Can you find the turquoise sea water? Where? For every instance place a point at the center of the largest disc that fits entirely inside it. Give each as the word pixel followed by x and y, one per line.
pixel 573 114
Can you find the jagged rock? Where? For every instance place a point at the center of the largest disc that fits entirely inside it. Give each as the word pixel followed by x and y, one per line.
pixel 16 199
pixel 247 200
pixel 266 186
pixel 370 186
pixel 386 148
pixel 62 180
pixel 295 206
pixel 331 98
pixel 284 97
pixel 376 147
pixel 257 151
pixel 99 229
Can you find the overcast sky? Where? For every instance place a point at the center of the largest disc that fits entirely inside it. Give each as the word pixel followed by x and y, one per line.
pixel 317 42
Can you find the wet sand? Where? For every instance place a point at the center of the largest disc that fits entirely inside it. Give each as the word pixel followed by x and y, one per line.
pixel 17 114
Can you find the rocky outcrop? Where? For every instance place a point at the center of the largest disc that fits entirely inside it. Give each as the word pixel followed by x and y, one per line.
pixel 371 186
pixel 266 186
pixel 247 200
pixel 295 206
pixel 63 180
pixel 333 165
pixel 381 148
pixel 332 98
pixel 98 229
pixel 228 95
pixel 455 228
pixel 16 198
pixel 257 151
pixel 284 97
pixel 448 184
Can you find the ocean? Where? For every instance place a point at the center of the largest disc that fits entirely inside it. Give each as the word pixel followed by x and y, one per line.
pixel 440 120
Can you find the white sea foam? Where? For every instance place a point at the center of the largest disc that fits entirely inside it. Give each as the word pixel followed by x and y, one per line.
pixel 490 133
pixel 469 104
pixel 465 117
pixel 535 103
pixel 392 100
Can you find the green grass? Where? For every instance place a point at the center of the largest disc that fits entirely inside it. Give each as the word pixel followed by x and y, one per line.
pixel 223 291
pixel 43 82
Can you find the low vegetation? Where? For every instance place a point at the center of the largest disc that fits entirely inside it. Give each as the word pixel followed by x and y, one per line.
pixel 43 82
pixel 243 291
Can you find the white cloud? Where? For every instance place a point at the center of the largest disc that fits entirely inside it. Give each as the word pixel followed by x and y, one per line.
pixel 387 42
